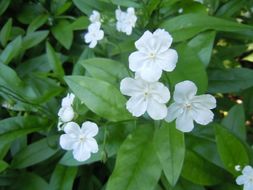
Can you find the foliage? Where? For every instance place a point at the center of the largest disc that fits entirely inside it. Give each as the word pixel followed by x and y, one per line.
pixel 43 56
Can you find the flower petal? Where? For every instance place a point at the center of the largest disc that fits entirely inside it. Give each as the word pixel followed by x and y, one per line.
pixel 150 72
pixel 167 60
pixel 240 180
pixel 67 142
pixel 156 110
pixel 141 44
pixel 80 153
pixel 92 144
pixel 247 170
pixel 136 60
pixel 160 92
pixel 184 122
pixel 72 128
pixel 137 105
pixel 163 40
pixel 174 110
pixel 206 100
pixel 248 186
pixel 132 87
pixel 89 129
pixel 93 44
pixel 202 116
pixel 184 91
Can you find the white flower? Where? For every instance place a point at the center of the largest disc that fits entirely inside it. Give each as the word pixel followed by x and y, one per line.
pixel 238 168
pixel 80 140
pixel 145 96
pixel 125 20
pixel 95 17
pixel 246 179
pixel 153 56
pixel 94 34
pixel 68 100
pixel 188 107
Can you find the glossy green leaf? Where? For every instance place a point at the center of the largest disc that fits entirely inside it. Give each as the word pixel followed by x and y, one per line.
pixel 6 32
pixel 11 50
pixel 80 24
pixel 199 171
pixel 231 150
pixel 33 39
pixel 229 80
pixel 4 5
pixel 235 121
pixel 63 33
pixel 186 26
pixel 189 67
pixel 170 148
pixel 105 69
pixel 37 23
pixel 63 178
pixel 34 153
pixel 54 60
pixel 137 165
pixel 3 165
pixel 100 97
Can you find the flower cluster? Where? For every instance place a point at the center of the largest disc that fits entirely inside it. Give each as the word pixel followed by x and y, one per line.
pixel 94 33
pixel 153 56
pixel 125 20
pixel 125 23
pixel 80 140
pixel 246 179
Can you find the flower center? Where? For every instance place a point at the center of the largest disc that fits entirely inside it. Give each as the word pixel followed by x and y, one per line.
pixel 152 55
pixel 82 138
pixel 187 106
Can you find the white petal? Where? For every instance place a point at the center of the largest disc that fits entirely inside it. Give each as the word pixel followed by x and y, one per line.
pixel 240 180
pixel 136 60
pixel 92 144
pixel 156 110
pixel 184 91
pixel 248 186
pixel 72 128
pixel 80 153
pixel 174 110
pixel 68 100
pixel 206 100
pixel 163 38
pixel 202 116
pixel 184 122
pixel 150 73
pixel 132 87
pixel 100 35
pixel 93 44
pixel 167 60
pixel 160 92
pixel 247 170
pixel 66 114
pixel 89 129
pixel 141 44
pixel 137 105
pixel 67 142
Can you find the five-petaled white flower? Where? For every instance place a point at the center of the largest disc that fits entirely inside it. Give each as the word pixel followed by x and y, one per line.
pixel 188 107
pixel 66 112
pixel 125 20
pixel 153 56
pixel 95 17
pixel 94 34
pixel 246 179
pixel 145 96
pixel 80 140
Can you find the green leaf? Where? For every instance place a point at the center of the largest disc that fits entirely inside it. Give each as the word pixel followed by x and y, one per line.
pixel 33 39
pixel 37 22
pixel 100 97
pixel 6 32
pixel 199 171
pixel 54 60
pixel 105 69
pixel 231 150
pixel 189 67
pixel 80 24
pixel 11 50
pixel 170 148
pixel 230 8
pixel 63 33
pixel 3 165
pixel 4 5
pixel 203 45
pixel 229 80
pixel 186 26
pixel 235 121
pixel 63 178
pixel 137 165
pixel 88 6
pixel 34 153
